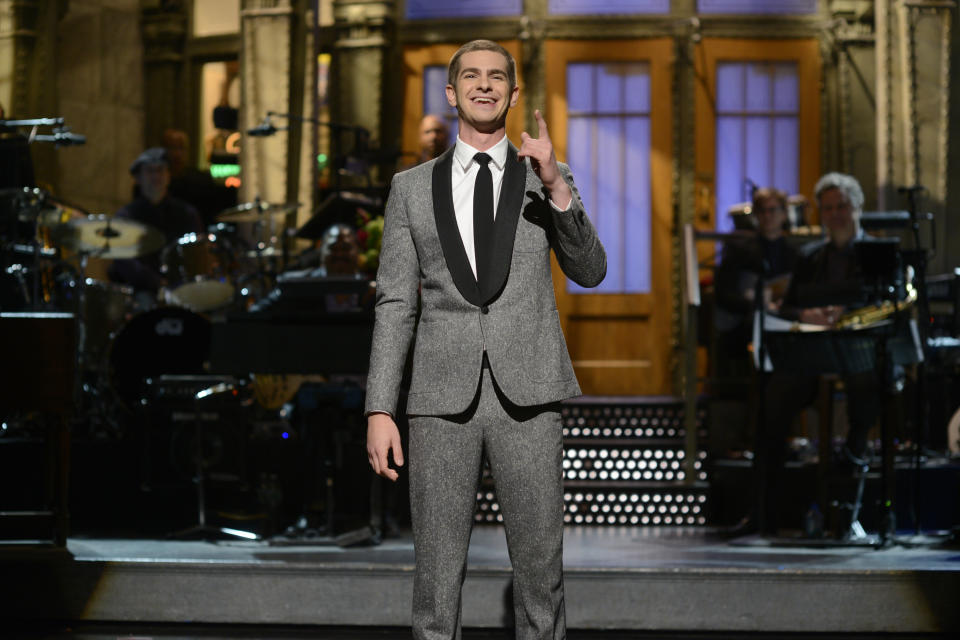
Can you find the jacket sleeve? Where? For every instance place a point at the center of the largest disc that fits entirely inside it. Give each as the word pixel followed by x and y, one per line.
pixel 575 241
pixel 398 279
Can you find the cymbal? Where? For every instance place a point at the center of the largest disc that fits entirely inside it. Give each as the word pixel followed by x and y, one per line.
pixel 254 211
pixel 108 237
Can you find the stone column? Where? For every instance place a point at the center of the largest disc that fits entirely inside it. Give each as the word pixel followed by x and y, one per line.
pixel 18 36
pixel 28 71
pixel 265 86
pixel 364 39
pixel 164 26
pixel 277 75
pixel 913 91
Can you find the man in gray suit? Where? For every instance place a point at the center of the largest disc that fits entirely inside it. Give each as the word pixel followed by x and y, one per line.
pixel 490 364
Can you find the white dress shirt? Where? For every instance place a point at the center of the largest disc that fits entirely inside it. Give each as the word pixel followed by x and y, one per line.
pixel 463 178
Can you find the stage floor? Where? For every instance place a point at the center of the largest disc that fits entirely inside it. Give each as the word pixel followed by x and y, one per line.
pixel 649 580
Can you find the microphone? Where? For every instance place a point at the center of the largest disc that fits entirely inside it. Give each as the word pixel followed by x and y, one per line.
pixel 265 128
pixel 62 138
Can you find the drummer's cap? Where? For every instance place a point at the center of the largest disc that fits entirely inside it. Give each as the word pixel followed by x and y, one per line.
pixel 153 155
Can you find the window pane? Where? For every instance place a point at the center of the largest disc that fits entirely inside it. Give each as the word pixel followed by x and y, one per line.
pixel 785 160
pixel 730 87
pixel 609 89
pixel 418 9
pixel 580 87
pixel 560 7
pixel 609 214
pixel 608 138
pixel 760 149
pixel 729 171
pixel 757 6
pixel 580 158
pixel 785 91
pixel 638 206
pixel 758 88
pixel 637 88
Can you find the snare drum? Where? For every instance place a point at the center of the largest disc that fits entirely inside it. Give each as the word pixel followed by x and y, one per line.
pixel 166 340
pixel 196 268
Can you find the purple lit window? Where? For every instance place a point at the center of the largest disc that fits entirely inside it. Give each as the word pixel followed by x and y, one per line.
pixel 782 7
pixel 606 7
pixel 417 9
pixel 608 149
pixel 757 132
pixel 435 97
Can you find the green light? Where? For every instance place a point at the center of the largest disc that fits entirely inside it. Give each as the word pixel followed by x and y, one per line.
pixel 220 171
pixel 322 160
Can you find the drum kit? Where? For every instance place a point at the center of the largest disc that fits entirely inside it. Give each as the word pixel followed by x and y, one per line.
pixel 47 249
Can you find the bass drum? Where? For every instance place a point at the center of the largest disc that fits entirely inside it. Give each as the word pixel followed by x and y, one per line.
pixel 162 341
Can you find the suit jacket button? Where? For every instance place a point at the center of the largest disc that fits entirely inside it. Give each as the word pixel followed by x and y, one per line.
pixel 484 309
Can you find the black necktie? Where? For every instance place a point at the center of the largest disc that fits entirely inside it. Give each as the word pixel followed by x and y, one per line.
pixel 483 217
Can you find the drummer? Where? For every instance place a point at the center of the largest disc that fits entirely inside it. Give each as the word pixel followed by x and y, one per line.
pixel 154 206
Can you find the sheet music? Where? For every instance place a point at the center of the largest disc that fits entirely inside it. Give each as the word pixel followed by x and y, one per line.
pixel 773 323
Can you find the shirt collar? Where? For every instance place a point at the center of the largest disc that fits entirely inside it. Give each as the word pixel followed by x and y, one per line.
pixel 464 153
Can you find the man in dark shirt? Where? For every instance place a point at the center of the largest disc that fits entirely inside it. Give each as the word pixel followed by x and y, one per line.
pixel 840 200
pixel 152 205
pixel 767 256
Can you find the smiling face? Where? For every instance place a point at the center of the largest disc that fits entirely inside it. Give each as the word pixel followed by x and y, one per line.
pixel 483 94
pixel 153 178
pixel 837 215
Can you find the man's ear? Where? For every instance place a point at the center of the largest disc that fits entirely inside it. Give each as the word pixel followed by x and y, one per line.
pixel 451 95
pixel 514 96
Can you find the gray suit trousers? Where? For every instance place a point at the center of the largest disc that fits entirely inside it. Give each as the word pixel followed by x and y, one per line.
pixel 524 448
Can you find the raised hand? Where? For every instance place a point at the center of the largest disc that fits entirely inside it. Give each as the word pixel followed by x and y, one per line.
pixel 544 161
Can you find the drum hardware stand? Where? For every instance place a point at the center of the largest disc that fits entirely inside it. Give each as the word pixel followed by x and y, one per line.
pixel 203 529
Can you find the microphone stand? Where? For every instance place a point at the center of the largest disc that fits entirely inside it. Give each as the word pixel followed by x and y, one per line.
pixel 62 136
pixel 761 453
pixel 918 259
pixel 361 141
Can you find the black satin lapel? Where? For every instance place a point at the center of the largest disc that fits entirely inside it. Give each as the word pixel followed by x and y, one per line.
pixel 505 227
pixel 450 241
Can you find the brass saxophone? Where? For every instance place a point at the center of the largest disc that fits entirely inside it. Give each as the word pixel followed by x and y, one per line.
pixel 869 315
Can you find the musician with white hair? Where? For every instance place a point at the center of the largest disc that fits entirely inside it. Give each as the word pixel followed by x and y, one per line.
pixel 832 262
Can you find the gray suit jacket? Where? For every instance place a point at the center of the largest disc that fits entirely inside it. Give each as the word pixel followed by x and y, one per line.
pixel 512 313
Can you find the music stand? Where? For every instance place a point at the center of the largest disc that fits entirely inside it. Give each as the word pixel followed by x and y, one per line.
pixel 201 529
pixel 338 207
